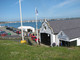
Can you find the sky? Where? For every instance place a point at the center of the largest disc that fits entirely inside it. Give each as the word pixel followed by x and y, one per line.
pixel 9 9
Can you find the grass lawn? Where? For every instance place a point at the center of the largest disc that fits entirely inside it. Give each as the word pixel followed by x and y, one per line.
pixel 11 50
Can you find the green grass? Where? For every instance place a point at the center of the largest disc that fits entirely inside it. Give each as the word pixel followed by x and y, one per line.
pixel 11 50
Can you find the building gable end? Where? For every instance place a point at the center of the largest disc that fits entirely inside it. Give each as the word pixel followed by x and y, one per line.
pixel 45 28
pixel 63 36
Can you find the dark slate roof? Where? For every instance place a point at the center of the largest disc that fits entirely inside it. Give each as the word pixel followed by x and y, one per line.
pixel 60 25
pixel 72 33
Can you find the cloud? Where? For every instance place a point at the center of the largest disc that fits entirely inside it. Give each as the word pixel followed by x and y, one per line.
pixel 53 8
pixel 62 4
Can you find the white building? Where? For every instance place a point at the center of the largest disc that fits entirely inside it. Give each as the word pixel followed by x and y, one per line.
pixel 66 32
pixel 27 28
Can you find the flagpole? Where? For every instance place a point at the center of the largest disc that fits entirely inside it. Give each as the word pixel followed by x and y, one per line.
pixel 36 26
pixel 22 41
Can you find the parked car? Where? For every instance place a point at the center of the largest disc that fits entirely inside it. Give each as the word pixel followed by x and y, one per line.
pixel 34 38
pixel 0 30
pixel 9 28
pixel 18 32
pixel 3 33
pixel 14 31
pixel 9 33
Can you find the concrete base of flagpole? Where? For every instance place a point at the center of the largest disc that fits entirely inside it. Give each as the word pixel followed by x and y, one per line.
pixel 23 41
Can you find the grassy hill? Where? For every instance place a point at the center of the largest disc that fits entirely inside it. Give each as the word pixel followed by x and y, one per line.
pixel 11 50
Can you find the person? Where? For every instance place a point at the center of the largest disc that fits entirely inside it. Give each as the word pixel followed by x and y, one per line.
pixel 28 34
pixel 33 34
pixel 61 43
pixel 39 42
pixel 24 34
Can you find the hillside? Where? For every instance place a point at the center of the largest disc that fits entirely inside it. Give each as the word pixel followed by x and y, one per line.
pixel 11 50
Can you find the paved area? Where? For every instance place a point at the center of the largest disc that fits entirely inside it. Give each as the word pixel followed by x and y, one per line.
pixel 16 37
pixel 8 31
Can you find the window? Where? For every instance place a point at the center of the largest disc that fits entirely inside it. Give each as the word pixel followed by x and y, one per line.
pixel 61 34
pixel 45 27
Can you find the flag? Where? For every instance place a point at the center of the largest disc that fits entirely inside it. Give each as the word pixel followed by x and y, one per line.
pixel 36 11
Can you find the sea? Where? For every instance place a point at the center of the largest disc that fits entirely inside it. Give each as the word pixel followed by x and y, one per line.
pixel 16 25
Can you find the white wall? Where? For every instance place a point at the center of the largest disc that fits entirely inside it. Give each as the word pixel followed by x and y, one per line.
pixel 43 30
pixel 57 40
pixel 25 28
pixel 52 39
pixel 78 42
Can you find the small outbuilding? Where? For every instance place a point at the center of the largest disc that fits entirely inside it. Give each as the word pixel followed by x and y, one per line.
pixel 60 32
pixel 27 28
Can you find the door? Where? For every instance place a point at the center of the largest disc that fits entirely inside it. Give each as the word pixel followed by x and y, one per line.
pixel 66 43
pixel 29 30
pixel 73 43
pixel 45 38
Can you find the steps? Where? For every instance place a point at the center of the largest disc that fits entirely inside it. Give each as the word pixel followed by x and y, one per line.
pixel 31 42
